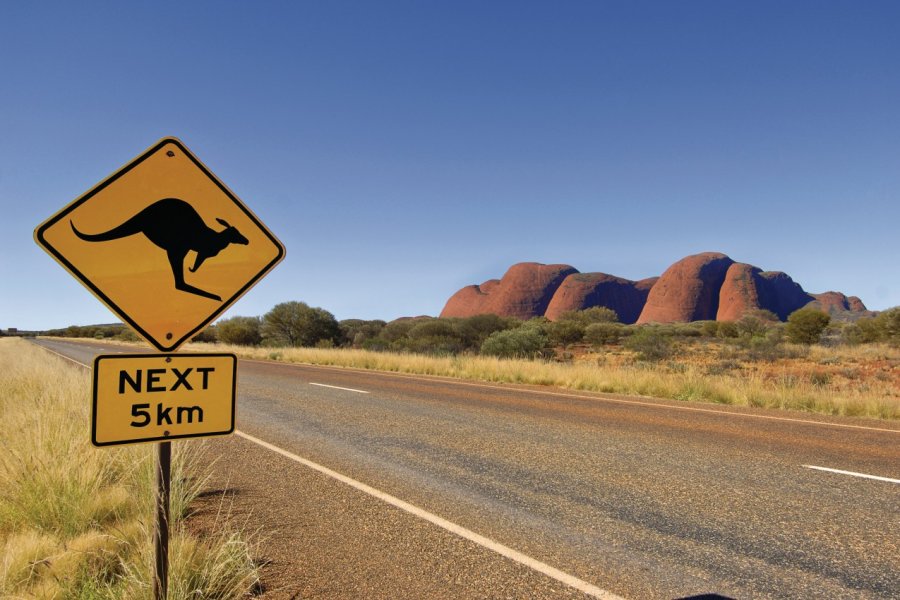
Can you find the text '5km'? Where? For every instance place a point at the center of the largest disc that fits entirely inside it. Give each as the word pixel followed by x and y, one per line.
pixel 152 397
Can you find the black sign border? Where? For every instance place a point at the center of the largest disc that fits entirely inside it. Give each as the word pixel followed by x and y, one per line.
pixel 161 346
pixel 165 438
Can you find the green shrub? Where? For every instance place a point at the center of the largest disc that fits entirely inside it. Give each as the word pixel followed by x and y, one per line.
pixel 650 343
pixel 727 330
pixel 884 327
pixel 208 335
pixel 474 330
pixel 565 333
pixel 806 325
pixel 355 332
pixel 604 334
pixel 397 330
pixel 595 314
pixel 241 331
pixel 709 328
pixel 523 342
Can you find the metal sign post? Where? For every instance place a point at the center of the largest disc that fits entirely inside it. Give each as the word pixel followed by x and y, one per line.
pixel 137 240
pixel 161 525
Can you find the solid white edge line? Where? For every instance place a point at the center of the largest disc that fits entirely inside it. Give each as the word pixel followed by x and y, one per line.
pixel 336 387
pixel 448 379
pixel 79 363
pixel 506 551
pixel 853 473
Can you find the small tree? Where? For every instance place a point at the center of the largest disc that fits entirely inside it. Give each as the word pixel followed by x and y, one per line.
pixel 806 325
pixel 298 324
pixel 242 331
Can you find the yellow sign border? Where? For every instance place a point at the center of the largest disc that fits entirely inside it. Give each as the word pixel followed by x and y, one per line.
pixel 95 374
pixel 162 346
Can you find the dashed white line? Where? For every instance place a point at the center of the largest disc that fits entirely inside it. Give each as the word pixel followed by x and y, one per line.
pixel 506 551
pixel 335 387
pixel 853 474
pixel 599 397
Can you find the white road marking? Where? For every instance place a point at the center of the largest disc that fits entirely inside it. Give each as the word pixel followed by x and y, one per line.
pixel 506 551
pixel 853 473
pixel 335 387
pixel 646 403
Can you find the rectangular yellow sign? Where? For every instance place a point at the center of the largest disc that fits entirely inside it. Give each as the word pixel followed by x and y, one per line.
pixel 161 397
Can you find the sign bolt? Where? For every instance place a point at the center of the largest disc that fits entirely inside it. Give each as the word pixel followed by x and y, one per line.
pixel 170 154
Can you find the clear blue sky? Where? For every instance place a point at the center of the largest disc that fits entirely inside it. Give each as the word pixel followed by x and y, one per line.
pixel 401 150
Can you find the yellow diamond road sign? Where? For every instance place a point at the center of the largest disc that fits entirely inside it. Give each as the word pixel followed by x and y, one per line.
pixel 163 243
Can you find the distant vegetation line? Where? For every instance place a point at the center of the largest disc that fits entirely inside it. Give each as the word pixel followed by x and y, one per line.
pixel 295 324
pixel 808 363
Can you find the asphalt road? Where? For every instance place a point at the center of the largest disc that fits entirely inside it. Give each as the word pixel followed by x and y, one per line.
pixel 628 496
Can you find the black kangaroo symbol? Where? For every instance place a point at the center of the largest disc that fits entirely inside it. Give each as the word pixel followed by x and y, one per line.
pixel 177 228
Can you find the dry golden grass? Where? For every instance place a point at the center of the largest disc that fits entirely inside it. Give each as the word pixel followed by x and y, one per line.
pixel 858 381
pixel 852 381
pixel 75 520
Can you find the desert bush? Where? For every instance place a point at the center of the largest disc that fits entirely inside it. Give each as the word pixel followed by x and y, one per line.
pixel 595 314
pixel 207 335
pixel 397 330
pixel 298 324
pixel 242 331
pixel 356 332
pixel 604 334
pixel 752 326
pixel 806 325
pixel 432 328
pixel 650 343
pixel 528 341
pixel 727 330
pixel 434 336
pixel 884 327
pixel 474 330
pixel 684 330
pixel 709 328
pixel 565 333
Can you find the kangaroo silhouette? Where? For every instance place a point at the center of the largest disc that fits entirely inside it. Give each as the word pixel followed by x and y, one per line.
pixel 176 227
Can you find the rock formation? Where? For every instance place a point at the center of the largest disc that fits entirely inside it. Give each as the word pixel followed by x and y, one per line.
pixel 704 286
pixel 837 304
pixel 688 290
pixel 470 300
pixel 740 292
pixel 524 291
pixel 585 290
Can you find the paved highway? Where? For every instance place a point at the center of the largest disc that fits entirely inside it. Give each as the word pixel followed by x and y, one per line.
pixel 373 485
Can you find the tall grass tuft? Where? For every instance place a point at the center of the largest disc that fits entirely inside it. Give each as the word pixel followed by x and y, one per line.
pixel 75 521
